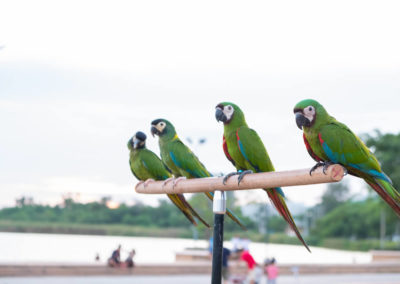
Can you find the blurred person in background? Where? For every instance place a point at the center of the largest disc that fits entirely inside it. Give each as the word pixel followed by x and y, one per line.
pixel 245 256
pixel 129 260
pixel 115 259
pixel 271 270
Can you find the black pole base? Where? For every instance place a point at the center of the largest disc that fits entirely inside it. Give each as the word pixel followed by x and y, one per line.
pixel 218 239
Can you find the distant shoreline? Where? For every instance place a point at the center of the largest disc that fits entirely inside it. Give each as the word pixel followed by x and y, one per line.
pixel 92 229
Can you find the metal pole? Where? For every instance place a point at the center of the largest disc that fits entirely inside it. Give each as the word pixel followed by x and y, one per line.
pixel 219 208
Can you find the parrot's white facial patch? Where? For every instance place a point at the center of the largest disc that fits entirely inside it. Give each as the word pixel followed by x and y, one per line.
pixel 160 126
pixel 228 111
pixel 135 142
pixel 309 113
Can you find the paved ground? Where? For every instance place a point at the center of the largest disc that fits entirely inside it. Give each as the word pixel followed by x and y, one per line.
pixel 201 279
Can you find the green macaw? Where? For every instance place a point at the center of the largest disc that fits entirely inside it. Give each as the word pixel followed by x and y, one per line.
pixel 147 167
pixel 328 141
pixel 180 159
pixel 244 148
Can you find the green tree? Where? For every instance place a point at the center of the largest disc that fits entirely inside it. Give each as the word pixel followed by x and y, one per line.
pixel 386 148
pixel 335 194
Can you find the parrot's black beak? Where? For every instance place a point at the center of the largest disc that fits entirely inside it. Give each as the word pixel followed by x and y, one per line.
pixel 154 131
pixel 219 115
pixel 130 143
pixel 302 121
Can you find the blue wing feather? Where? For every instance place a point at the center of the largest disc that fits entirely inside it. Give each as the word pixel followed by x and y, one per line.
pixel 341 159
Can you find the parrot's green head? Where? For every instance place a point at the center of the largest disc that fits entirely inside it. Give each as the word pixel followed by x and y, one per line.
pixel 309 113
pixel 229 113
pixel 138 141
pixel 163 128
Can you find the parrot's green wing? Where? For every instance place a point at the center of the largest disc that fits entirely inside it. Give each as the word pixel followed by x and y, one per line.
pixel 131 163
pixel 253 150
pixel 154 165
pixel 186 161
pixel 342 146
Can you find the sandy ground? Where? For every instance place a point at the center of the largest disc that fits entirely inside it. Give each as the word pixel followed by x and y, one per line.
pixel 201 279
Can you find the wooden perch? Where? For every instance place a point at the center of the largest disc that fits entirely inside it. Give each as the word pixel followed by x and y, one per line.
pixel 334 173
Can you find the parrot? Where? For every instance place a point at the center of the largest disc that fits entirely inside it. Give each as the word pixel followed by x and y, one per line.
pixel 147 167
pixel 180 159
pixel 245 150
pixel 329 141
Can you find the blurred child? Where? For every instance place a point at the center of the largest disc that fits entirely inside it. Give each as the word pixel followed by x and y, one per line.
pixel 272 271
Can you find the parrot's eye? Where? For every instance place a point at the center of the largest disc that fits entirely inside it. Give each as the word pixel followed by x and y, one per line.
pixel 162 124
pixel 229 109
pixel 309 110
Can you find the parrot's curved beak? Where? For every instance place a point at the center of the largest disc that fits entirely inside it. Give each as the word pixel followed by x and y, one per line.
pixel 219 115
pixel 154 131
pixel 302 121
pixel 130 143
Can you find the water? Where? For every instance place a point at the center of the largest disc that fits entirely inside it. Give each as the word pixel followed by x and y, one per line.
pixel 57 248
pixel 26 248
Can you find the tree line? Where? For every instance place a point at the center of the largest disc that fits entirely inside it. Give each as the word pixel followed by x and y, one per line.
pixel 339 220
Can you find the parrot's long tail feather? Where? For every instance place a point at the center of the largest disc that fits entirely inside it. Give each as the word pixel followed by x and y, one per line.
pixel 280 205
pixel 388 193
pixel 236 219
pixel 178 203
pixel 188 206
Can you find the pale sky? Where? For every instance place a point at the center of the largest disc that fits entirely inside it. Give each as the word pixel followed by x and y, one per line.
pixel 79 78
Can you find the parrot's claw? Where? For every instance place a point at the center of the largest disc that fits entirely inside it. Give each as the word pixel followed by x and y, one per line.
pixel 175 181
pixel 167 181
pixel 345 171
pixel 317 165
pixel 326 165
pixel 242 174
pixel 228 176
pixel 146 183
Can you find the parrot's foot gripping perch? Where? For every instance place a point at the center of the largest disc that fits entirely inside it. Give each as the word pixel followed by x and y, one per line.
pixel 167 181
pixel 175 181
pixel 146 182
pixel 325 166
pixel 317 165
pixel 240 173
pixel 228 176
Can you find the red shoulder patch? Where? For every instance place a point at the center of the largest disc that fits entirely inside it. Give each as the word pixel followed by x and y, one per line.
pixel 225 147
pixel 309 150
pixel 320 139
